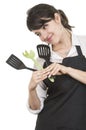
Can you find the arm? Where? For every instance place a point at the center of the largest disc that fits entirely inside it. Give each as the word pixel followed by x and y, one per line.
pixel 41 92
pixel 33 99
pixel 77 74
pixel 58 69
pixel 37 94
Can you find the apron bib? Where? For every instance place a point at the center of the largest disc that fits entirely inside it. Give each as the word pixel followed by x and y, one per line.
pixel 65 105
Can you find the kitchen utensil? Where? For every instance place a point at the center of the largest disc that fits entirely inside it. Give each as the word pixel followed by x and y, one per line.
pixel 44 52
pixel 16 63
pixel 31 55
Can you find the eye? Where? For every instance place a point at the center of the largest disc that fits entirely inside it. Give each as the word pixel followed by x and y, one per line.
pixel 38 34
pixel 45 26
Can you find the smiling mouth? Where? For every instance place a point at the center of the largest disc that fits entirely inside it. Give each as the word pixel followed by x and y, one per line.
pixel 49 39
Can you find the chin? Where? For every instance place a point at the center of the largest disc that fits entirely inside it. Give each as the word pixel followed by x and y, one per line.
pixel 55 42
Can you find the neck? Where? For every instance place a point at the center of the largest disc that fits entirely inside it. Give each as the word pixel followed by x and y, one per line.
pixel 65 41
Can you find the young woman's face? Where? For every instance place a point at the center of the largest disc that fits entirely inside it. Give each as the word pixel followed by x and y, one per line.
pixel 51 32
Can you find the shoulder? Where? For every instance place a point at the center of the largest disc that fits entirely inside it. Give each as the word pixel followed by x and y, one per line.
pixel 82 41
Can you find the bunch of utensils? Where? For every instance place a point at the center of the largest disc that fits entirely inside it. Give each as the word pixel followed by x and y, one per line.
pixel 43 52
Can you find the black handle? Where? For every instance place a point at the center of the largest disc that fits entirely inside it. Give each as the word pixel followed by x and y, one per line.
pixel 31 69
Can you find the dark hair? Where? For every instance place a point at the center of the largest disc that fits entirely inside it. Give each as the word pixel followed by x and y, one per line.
pixel 36 14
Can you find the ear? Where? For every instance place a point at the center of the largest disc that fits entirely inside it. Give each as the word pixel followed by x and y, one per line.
pixel 57 18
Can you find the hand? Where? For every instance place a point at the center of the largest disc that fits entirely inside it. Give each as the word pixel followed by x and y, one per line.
pixel 56 69
pixel 37 77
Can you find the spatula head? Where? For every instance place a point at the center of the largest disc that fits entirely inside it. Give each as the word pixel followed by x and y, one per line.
pixel 15 62
pixel 44 51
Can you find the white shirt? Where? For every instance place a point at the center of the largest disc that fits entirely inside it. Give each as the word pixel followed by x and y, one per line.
pixel 55 57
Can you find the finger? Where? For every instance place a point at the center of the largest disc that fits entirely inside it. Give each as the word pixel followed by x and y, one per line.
pixel 51 67
pixel 55 71
pixel 41 76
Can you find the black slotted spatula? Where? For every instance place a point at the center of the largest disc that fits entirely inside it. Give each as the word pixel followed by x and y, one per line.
pixel 16 63
pixel 44 52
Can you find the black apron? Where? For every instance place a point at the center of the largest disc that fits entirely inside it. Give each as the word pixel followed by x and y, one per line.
pixel 65 105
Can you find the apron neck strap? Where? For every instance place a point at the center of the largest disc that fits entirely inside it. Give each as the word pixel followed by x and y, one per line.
pixel 79 50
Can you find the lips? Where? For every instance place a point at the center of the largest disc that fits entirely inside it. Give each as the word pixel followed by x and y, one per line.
pixel 49 38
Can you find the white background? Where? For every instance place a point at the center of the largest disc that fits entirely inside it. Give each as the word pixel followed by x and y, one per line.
pixel 15 38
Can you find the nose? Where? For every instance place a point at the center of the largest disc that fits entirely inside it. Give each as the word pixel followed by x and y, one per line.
pixel 43 36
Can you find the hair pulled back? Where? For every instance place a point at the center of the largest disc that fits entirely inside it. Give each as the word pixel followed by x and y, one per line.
pixel 38 15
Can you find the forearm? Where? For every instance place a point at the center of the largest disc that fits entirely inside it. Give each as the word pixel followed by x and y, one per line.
pixel 77 74
pixel 58 69
pixel 33 100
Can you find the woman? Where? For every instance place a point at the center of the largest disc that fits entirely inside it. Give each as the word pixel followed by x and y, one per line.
pixel 60 105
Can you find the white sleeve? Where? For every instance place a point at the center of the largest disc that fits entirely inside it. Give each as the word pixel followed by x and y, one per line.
pixel 41 92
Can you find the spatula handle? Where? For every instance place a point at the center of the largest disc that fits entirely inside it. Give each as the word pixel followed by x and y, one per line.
pixel 31 69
